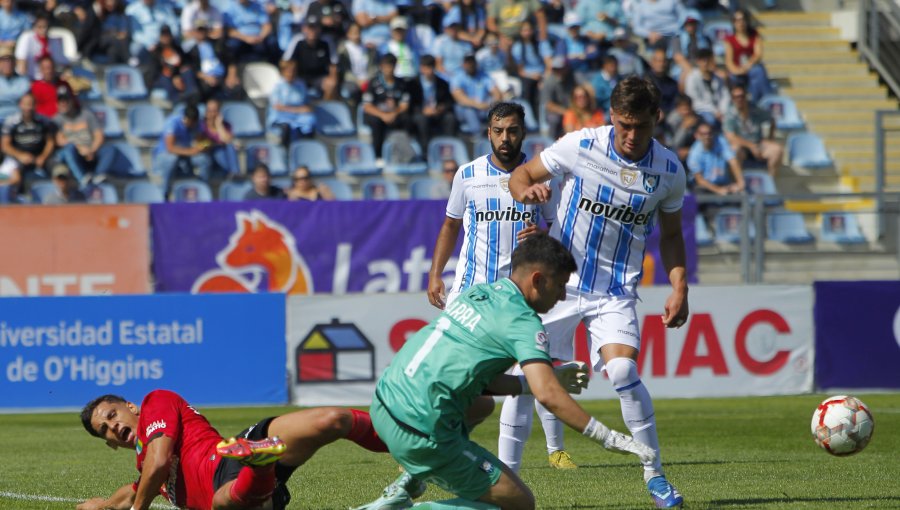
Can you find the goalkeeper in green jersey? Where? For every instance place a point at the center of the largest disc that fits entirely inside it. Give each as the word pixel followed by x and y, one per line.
pixel 423 401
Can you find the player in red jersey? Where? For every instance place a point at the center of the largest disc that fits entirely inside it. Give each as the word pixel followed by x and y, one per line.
pixel 181 456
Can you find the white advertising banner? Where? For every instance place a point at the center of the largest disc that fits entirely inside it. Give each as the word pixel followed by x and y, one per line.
pixel 738 341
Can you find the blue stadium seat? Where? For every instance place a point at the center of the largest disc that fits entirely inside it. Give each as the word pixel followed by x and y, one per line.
pixel 271 155
pixel 841 228
pixel 380 189
pixel 191 190
pixel 403 156
pixel 40 190
pixel 127 160
pixel 125 83
pixel 361 127
pixel 728 226
pixel 807 150
pixel 703 236
pixel 311 153
pixel 787 227
pixel 340 189
pixel 143 192
pixel 446 147
pixel 760 182
pixel 146 123
pixel 428 188
pixel 717 31
pixel 356 158
pixel 482 147
pixel 533 145
pixel 422 38
pixel 784 112
pixel 108 193
pixel 234 191
pixel 531 122
pixel 244 120
pixel 333 118
pixel 109 119
pixel 90 94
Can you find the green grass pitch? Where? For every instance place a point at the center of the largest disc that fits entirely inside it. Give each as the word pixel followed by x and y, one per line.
pixel 721 453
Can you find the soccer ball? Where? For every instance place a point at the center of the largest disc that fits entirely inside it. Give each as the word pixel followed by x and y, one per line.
pixel 842 425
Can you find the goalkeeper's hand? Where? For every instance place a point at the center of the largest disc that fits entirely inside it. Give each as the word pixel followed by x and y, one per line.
pixel 572 375
pixel 617 442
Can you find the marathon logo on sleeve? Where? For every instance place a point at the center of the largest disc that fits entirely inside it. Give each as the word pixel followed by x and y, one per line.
pixel 616 213
pixel 508 214
pixel 153 427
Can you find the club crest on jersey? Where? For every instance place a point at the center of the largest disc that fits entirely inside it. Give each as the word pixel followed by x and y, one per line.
pixel 628 176
pixel 504 183
pixel 651 182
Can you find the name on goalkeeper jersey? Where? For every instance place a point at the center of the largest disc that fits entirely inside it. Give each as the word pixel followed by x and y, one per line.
pixel 508 214
pixel 617 213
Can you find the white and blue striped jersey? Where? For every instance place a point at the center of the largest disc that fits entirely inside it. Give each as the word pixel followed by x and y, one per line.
pixel 608 205
pixel 491 218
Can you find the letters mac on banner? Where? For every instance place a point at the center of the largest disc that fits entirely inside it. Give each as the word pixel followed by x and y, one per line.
pixel 74 250
pixel 326 247
pixel 63 351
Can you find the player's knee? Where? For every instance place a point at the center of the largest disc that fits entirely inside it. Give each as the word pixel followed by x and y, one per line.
pixel 334 421
pixel 622 372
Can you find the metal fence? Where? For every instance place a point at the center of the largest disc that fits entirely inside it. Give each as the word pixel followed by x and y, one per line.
pixel 879 39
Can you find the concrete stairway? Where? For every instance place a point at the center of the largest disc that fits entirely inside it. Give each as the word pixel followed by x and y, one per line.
pixel 835 92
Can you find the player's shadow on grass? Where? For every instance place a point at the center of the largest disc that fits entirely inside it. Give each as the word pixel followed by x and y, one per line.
pixel 843 502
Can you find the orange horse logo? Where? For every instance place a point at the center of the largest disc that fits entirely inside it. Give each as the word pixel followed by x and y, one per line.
pixel 259 246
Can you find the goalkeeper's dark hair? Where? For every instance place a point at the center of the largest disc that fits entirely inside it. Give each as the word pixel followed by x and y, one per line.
pixel 88 411
pixel 504 109
pixel 540 248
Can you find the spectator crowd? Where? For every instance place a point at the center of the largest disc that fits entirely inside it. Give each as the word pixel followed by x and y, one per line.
pixel 427 68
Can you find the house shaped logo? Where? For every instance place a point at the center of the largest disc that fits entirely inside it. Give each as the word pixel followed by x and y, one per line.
pixel 335 352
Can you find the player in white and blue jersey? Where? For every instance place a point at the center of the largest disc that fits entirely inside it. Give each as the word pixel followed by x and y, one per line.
pixel 492 224
pixel 618 185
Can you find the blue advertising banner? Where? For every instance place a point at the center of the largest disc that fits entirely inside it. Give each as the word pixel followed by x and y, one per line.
pixel 63 351
pixel 857 334
pixel 321 247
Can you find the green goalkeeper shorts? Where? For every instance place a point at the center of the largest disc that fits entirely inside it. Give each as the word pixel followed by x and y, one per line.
pixel 460 466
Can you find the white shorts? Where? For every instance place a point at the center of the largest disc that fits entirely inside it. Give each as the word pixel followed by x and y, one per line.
pixel 608 319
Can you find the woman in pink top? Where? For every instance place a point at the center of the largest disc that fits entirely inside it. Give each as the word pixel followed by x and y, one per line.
pixel 743 56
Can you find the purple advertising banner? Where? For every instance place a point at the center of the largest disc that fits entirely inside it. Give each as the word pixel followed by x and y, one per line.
pixel 302 247
pixel 857 334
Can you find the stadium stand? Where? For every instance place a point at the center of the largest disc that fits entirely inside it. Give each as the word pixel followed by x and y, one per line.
pixel 143 192
pixel 841 228
pixel 269 154
pixel 334 119
pixel 340 189
pixel 40 190
pixel 234 191
pixel 146 123
pixel 445 147
pixel 728 225
pixel 403 156
pixel 787 227
pixel 355 158
pixel 313 154
pixel 380 189
pixel 124 83
pixel 191 190
pixel 244 120
pixel 807 150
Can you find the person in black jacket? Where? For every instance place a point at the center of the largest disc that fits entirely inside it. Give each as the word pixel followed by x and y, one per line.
pixel 432 103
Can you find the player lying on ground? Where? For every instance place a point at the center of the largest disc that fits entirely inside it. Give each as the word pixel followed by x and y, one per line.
pixel 181 456
pixel 420 403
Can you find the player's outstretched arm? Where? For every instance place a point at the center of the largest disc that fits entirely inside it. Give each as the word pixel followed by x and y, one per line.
pixel 526 183
pixel 547 390
pixel 122 499
pixel 154 471
pixel 572 376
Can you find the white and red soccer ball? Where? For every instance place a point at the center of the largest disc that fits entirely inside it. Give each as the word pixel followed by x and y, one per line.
pixel 842 425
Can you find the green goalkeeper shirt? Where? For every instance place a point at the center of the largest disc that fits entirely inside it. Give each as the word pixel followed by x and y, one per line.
pixel 440 370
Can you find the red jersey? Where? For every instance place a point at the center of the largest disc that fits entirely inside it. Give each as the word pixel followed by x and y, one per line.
pixel 194 459
pixel 739 52
pixel 46 96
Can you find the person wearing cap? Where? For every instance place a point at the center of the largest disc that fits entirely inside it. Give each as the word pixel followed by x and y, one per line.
pixel 684 47
pixel 431 103
pixel 12 23
pixel 316 65
pixel 373 17
pixel 600 18
pixel 80 137
pixel 12 86
pixel 473 92
pixel 333 16
pixel 626 53
pixel 472 21
pixel 27 142
pixel 449 49
pixel 66 187
pixel 385 103
pixel 201 13
pixel 48 89
pixel 506 16
pixel 397 45
pixel 148 18
pixel 249 33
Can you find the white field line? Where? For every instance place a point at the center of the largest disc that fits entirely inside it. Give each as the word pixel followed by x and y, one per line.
pixel 55 499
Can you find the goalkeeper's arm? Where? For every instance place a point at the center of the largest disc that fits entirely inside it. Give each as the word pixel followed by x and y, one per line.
pixel 572 376
pixel 546 389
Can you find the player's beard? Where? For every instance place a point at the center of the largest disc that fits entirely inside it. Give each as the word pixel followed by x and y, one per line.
pixel 515 152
